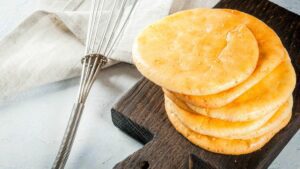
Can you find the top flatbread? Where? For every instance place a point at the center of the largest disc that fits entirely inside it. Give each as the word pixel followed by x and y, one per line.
pixel 271 54
pixel 197 52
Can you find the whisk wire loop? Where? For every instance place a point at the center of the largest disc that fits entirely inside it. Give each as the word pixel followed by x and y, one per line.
pixel 107 26
pixel 114 29
pixel 122 28
pixel 97 23
pixel 91 22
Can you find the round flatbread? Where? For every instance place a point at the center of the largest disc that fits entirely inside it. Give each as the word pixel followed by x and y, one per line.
pixel 197 52
pixel 284 113
pixel 210 126
pixel 223 146
pixel 265 96
pixel 271 54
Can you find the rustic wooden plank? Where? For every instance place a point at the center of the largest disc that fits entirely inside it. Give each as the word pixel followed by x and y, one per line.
pixel 141 114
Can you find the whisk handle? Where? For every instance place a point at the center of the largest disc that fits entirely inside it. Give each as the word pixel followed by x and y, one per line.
pixel 69 136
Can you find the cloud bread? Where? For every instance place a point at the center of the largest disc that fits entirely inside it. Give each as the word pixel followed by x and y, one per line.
pixel 284 113
pixel 224 146
pixel 265 96
pixel 210 126
pixel 271 54
pixel 197 52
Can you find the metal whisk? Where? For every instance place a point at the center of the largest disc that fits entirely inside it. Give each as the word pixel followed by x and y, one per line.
pixel 107 21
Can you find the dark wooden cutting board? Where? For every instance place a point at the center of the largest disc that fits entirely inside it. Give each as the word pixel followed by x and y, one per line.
pixel 141 113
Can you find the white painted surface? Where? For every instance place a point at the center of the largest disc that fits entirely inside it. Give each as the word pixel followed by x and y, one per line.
pixel 32 124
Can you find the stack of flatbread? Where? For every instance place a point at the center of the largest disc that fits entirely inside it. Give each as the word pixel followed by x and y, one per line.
pixel 227 78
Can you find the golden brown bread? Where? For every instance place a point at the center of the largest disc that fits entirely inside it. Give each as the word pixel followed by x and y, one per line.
pixel 196 52
pixel 227 85
pixel 267 95
pixel 224 146
pixel 271 54
pixel 284 112
pixel 210 126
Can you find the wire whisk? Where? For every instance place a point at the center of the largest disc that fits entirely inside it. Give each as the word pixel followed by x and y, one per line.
pixel 108 19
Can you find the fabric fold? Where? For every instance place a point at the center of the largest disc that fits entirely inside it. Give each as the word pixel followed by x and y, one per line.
pixel 48 46
pixel 39 51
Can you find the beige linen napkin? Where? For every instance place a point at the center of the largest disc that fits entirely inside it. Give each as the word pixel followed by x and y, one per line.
pixel 48 46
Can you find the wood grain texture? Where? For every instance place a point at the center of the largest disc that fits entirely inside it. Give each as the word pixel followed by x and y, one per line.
pixel 141 114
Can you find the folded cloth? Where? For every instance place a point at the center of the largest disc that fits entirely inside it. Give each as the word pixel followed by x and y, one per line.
pixel 48 45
